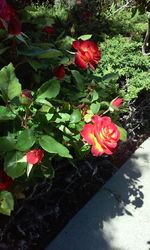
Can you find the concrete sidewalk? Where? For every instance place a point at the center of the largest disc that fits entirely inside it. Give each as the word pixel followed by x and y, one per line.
pixel 118 216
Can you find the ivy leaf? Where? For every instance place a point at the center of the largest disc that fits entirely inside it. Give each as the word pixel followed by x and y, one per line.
pixel 9 83
pixel 49 89
pixel 6 202
pixel 50 145
pixel 25 140
pixel 123 133
pixel 15 164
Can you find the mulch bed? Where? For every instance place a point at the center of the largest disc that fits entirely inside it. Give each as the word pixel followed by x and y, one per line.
pixel 51 204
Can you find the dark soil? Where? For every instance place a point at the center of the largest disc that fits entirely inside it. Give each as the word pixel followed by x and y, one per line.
pixel 50 205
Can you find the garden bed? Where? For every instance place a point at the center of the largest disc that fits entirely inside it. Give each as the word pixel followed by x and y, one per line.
pixel 51 204
pixel 73 108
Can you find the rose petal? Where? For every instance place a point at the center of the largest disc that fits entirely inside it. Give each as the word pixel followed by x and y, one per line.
pixel 76 44
pixel 80 62
pixel 88 133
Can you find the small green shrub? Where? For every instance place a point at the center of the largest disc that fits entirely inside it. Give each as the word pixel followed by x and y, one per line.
pixel 123 56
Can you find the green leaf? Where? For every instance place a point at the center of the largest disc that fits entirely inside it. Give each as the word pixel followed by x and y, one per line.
pixel 31 51
pixel 94 107
pixel 75 116
pixel 79 79
pixel 6 202
pixel 6 114
pixel 95 96
pixel 85 37
pixel 7 144
pixel 63 117
pixel 49 89
pixel 50 145
pixel 25 140
pixel 15 164
pixel 123 133
pixel 64 60
pixel 50 53
pixel 40 53
pixel 9 83
pixel 45 102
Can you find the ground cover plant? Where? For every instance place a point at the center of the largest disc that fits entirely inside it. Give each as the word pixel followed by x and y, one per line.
pixel 65 93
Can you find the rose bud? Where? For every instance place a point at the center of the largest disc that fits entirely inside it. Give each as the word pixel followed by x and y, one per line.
pixel 59 72
pixel 26 97
pixel 35 156
pixel 117 102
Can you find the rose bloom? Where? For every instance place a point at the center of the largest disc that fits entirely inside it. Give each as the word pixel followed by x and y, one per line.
pixel 48 29
pixel 102 135
pixel 87 54
pixel 117 102
pixel 35 156
pixel 59 72
pixel 5 181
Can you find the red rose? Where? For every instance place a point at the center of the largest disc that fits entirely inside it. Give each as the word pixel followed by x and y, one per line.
pixel 117 102
pixel 35 156
pixel 5 181
pixel 59 72
pixel 102 135
pixel 87 54
pixel 48 29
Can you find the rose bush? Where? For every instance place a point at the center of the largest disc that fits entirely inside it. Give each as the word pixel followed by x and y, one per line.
pixel 51 105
